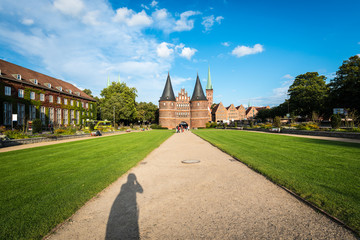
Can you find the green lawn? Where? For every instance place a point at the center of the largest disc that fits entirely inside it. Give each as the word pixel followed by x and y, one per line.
pixel 326 173
pixel 41 187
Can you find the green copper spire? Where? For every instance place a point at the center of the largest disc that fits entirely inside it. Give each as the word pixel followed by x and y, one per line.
pixel 108 82
pixel 209 85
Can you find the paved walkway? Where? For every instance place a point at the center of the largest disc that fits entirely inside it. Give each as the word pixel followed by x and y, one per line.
pixel 218 198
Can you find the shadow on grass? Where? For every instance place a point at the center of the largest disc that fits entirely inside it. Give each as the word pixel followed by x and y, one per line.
pixel 124 215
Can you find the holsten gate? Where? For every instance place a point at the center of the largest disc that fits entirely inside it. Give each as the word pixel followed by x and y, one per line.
pixel 194 112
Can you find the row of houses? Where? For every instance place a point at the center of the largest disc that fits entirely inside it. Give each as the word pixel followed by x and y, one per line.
pixel 220 113
pixel 26 95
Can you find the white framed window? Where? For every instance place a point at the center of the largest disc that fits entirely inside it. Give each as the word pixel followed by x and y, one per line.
pixel 32 112
pixel 18 76
pixel 51 115
pixel 72 102
pixel 77 117
pixel 42 115
pixel 65 101
pixel 32 95
pixel 65 116
pixel 58 116
pixel 59 100
pixel 21 93
pixel 7 91
pixel 51 99
pixel 21 114
pixel 72 117
pixel 7 113
pixel 78 103
pixel 42 97
pixel 91 106
pixel 86 105
pixel 82 104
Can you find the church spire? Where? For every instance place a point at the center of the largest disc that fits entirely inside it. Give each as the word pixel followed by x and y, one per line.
pixel 209 85
pixel 198 93
pixel 168 93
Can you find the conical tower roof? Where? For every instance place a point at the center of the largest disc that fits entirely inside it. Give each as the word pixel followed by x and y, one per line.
pixel 209 85
pixel 168 93
pixel 198 93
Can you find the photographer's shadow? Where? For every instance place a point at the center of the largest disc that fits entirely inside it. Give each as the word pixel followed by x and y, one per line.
pixel 124 215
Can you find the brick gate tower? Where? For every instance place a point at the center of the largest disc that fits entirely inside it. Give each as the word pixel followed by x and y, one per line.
pixel 167 104
pixel 199 113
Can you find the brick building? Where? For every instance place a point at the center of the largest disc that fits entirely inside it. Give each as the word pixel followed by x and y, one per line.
pixel 32 95
pixel 193 112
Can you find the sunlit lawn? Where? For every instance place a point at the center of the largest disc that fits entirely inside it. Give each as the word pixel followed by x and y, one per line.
pixel 41 187
pixel 326 173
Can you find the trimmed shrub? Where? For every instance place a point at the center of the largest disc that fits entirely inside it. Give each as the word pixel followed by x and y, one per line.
pixel 36 126
pixel 335 121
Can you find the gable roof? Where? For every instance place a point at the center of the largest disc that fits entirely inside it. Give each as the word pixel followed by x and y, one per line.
pixel 198 94
pixel 168 93
pixel 8 70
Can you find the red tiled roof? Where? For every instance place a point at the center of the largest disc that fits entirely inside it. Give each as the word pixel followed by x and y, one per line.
pixel 8 69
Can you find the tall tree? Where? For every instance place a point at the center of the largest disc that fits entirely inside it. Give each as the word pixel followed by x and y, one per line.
pixel 345 87
pixel 119 100
pixel 308 94
pixel 146 111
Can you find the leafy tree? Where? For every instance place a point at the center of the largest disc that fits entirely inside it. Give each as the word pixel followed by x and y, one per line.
pixel 120 99
pixel 263 114
pixel 146 111
pixel 88 92
pixel 345 87
pixel 308 93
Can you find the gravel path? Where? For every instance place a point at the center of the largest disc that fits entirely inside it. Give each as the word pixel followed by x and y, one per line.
pixel 218 198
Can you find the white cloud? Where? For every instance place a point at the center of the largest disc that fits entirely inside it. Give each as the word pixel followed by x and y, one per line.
pixel 70 7
pixel 132 19
pixel 91 18
pixel 358 55
pixel 27 21
pixel 288 76
pixel 98 41
pixel 241 51
pixel 163 50
pixel 153 3
pixel 209 21
pixel 218 19
pixel 187 52
pixel 144 6
pixel 226 44
pixel 185 24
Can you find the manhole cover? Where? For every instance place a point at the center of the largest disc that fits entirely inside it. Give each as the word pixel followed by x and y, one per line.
pixel 190 161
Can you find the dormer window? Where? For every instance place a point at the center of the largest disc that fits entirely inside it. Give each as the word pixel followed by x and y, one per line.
pixel 69 90
pixel 0 71
pixel 77 93
pixel 35 81
pixel 17 76
pixel 59 88
pixel 48 85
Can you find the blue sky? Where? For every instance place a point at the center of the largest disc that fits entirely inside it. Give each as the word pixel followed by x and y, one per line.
pixel 254 48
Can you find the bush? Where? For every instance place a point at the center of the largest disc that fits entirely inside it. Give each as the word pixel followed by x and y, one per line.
pixel 208 125
pixel 251 123
pixel 91 126
pixel 15 134
pixel 156 126
pixel 335 121
pixel 277 122
pixel 59 131
pixel 36 126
